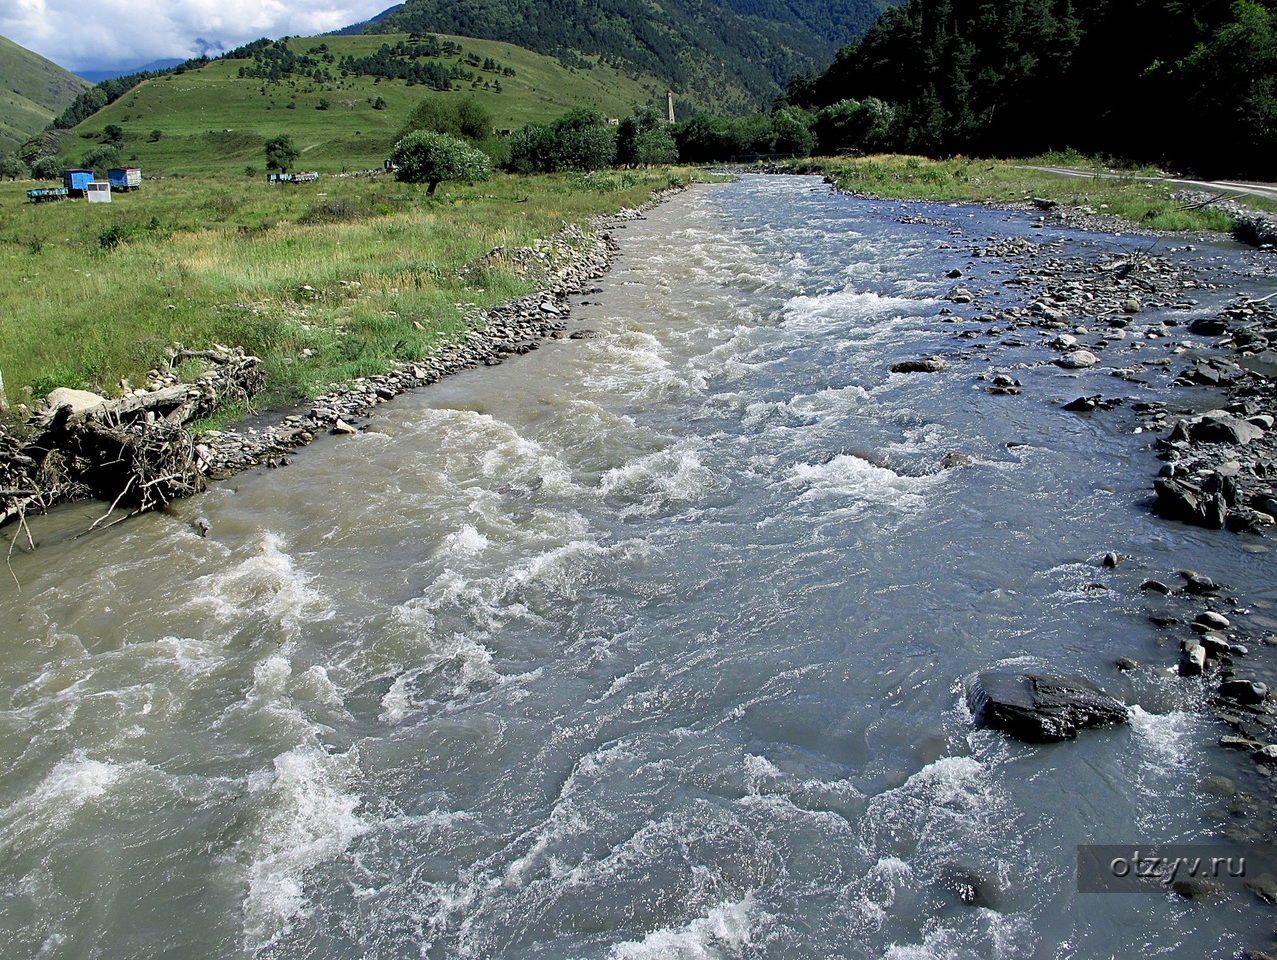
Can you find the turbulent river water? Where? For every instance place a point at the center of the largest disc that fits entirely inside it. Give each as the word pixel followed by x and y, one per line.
pixel 653 644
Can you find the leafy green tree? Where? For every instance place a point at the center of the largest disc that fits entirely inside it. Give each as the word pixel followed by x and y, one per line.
pixel 645 139
pixel 427 157
pixel 155 135
pixel 579 140
pixel 46 168
pixel 11 167
pixel 791 133
pixel 464 118
pixel 281 153
pixel 1231 89
pixel 113 133
pixel 100 158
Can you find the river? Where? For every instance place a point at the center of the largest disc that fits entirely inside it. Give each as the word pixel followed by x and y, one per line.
pixel 650 644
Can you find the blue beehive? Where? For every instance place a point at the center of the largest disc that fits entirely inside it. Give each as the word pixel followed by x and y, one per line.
pixel 77 181
pixel 124 178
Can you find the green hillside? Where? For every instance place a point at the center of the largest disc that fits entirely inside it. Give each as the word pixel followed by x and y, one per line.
pixel 210 118
pixel 32 91
pixel 722 56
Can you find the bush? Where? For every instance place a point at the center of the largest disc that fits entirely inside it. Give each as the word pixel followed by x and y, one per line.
pixel 46 168
pixel 465 118
pixel 11 168
pixel 100 158
pixel 426 157
pixel 280 152
pixel 579 140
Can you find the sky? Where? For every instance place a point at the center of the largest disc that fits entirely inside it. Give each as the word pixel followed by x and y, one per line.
pixel 107 34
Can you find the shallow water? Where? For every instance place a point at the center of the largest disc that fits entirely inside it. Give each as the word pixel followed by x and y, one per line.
pixel 647 645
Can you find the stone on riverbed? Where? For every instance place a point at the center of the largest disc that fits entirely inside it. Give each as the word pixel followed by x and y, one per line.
pixel 1040 708
pixel 921 365
pixel 1077 360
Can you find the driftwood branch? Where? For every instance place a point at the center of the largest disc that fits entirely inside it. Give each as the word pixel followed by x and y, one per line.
pixel 134 451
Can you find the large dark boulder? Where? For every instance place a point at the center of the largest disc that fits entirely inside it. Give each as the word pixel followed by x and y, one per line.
pixel 1040 708
pixel 1200 504
pixel 1224 429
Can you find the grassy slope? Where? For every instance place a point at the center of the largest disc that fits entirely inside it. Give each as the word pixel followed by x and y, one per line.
pixel 212 120
pixel 32 92
pixel 233 260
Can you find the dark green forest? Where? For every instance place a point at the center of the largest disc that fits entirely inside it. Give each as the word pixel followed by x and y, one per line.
pixel 1193 85
pixel 726 56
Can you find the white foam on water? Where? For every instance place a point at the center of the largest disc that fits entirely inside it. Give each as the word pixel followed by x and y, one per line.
pixel 725 931
pixel 946 809
pixel 991 936
pixel 456 668
pixel 307 815
pixel 653 482
pixel 847 475
pixel 465 542
pixel 73 784
pixel 833 404
pixel 267 588
pixel 846 306
pixel 194 658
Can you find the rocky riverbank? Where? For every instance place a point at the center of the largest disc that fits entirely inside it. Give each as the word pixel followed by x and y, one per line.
pixel 1203 386
pixel 149 419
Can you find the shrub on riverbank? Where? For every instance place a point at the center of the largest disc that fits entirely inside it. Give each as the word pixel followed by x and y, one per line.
pixel 234 262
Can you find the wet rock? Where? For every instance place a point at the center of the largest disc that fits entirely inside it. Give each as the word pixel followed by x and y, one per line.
pixel 960 295
pixel 1040 708
pixel 1248 692
pixel 583 335
pixel 1209 326
pixel 954 459
pixel 1192 659
pixel 1200 586
pixel 1212 620
pixel 1234 742
pixel 921 365
pixel 1264 887
pixel 1077 360
pixel 1111 559
pixel 1189 502
pixel 341 427
pixel 968 887
pixel 1224 429
pixel 1131 305
pixel 1154 586
pixel 1197 888
pixel 1126 663
pixel 1265 755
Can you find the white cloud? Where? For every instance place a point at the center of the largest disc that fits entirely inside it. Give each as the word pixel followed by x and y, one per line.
pixel 95 34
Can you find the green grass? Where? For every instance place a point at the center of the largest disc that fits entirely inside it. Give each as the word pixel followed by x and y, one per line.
pixel 326 281
pixel 213 121
pixel 1141 202
pixel 33 91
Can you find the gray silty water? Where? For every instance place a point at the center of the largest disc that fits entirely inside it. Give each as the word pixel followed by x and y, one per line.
pixel 647 645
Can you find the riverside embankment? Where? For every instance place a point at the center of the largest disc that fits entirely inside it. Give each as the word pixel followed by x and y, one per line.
pixel 658 641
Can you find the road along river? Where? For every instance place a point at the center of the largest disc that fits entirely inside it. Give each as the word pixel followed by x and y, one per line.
pixel 648 644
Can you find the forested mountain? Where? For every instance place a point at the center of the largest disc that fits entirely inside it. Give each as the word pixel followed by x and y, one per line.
pixel 32 91
pixel 726 55
pixel 1193 84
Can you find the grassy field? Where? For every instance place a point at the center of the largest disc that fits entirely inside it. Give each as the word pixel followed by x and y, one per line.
pixel 211 120
pixel 326 281
pixel 1142 203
